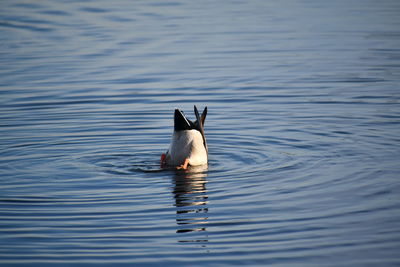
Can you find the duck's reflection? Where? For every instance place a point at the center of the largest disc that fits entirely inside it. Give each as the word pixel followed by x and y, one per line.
pixel 191 201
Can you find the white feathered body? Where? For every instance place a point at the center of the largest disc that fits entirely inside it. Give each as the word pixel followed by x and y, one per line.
pixel 187 144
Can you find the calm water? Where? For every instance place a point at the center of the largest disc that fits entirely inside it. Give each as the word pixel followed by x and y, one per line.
pixel 303 131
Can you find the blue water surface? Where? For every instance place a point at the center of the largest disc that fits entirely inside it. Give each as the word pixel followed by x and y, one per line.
pixel 303 131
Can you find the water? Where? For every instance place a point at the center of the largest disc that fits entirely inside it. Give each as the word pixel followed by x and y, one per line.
pixel 303 132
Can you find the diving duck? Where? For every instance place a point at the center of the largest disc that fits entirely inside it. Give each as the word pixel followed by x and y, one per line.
pixel 188 144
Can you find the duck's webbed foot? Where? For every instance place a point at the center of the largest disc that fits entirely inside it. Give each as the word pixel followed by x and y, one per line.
pixel 163 160
pixel 184 166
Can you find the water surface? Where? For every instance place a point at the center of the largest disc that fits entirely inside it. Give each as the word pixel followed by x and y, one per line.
pixel 303 132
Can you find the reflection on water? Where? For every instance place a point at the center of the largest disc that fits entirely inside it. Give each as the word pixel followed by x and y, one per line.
pixel 191 201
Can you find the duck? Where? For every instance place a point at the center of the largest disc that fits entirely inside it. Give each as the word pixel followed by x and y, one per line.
pixel 188 145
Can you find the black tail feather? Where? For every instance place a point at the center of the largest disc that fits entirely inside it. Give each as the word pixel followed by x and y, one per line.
pixel 199 123
pixel 180 121
pixel 203 116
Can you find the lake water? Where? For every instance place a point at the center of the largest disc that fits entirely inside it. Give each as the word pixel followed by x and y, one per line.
pixel 303 130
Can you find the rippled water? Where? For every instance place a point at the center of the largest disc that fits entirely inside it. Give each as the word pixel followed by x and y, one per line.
pixel 303 132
